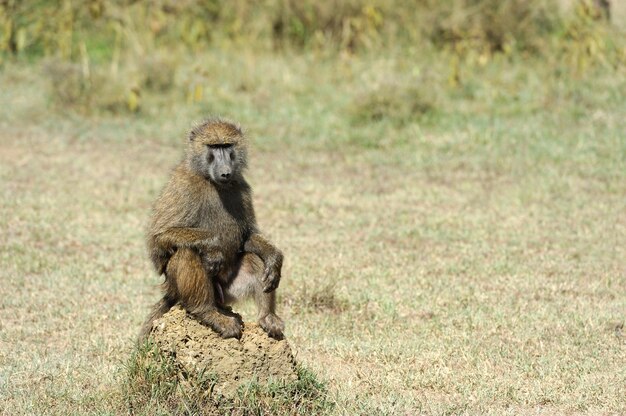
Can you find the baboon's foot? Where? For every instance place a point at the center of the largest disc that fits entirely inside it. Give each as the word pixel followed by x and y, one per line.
pixel 226 326
pixel 273 325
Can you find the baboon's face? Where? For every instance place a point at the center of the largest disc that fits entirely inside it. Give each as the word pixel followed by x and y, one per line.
pixel 216 150
pixel 220 163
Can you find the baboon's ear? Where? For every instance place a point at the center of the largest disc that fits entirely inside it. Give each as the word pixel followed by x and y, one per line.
pixel 192 135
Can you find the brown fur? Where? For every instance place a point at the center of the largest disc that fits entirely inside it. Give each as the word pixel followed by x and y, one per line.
pixel 203 236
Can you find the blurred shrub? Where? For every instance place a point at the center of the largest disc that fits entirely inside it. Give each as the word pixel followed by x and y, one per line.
pixel 44 27
pixel 70 86
pixel 493 25
pixel 110 55
pixel 85 90
pixel 397 103
pixel 54 27
pixel 118 55
pixel 47 27
pixel 587 40
pixel 349 24
pixel 158 71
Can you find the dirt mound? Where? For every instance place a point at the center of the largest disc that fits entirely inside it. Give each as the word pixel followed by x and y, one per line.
pixel 197 348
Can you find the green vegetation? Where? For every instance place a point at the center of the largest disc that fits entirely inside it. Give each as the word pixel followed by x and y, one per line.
pixel 446 180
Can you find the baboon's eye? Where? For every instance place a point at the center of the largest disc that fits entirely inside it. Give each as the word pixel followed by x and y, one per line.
pixel 211 157
pixel 232 155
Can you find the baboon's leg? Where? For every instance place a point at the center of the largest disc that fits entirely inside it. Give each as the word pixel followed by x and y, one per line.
pixel 197 294
pixel 159 309
pixel 269 321
pixel 246 283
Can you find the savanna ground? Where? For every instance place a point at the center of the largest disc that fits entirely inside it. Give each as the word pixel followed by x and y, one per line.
pixel 454 244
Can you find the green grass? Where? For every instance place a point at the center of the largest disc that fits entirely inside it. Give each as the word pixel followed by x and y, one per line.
pixel 469 260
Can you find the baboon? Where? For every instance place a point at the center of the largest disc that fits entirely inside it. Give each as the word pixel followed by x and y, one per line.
pixel 204 238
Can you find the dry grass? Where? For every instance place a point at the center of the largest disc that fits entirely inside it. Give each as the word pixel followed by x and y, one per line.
pixel 477 260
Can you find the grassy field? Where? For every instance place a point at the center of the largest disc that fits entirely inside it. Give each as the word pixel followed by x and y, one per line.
pixel 454 238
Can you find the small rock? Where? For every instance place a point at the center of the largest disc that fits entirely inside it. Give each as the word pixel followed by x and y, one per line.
pixel 197 348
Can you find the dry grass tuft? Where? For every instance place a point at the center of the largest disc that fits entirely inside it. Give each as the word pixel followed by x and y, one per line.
pixel 316 300
pixel 396 103
pixel 151 381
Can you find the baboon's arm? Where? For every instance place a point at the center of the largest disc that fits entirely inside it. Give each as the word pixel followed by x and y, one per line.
pixel 271 256
pixel 165 243
pixel 185 237
pixel 260 246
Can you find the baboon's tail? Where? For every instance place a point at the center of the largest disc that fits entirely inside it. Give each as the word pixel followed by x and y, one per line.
pixel 160 308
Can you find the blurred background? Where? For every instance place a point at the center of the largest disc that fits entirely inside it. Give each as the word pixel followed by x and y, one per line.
pixel 108 58
pixel 447 180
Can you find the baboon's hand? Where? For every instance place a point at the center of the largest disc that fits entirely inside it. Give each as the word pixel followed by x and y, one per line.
pixel 230 328
pixel 273 325
pixel 213 261
pixel 271 274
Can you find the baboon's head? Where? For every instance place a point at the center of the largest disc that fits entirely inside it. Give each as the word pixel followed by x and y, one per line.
pixel 217 151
